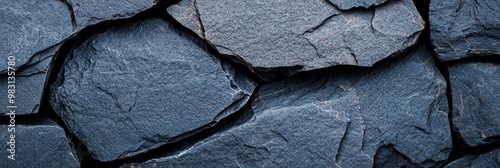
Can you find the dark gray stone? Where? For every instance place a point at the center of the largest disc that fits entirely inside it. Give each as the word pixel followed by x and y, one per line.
pixel 29 86
pixel 307 34
pixel 475 89
pixel 43 145
pixel 92 12
pixel 488 159
pixel 346 5
pixel 336 119
pixel 29 27
pixel 462 28
pixel 138 86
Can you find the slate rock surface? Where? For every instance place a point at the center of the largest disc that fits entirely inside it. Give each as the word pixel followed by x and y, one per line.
pixel 29 86
pixel 462 28
pixel 346 5
pixel 475 89
pixel 488 159
pixel 306 34
pixel 94 11
pixel 138 86
pixel 44 145
pixel 29 27
pixel 338 118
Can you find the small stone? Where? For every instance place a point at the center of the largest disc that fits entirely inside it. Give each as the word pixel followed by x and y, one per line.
pixel 475 91
pixel 138 86
pixel 29 85
pixel 346 5
pixel 463 28
pixel 337 119
pixel 43 145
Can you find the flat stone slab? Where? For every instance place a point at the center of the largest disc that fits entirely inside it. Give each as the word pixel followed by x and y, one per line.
pixel 92 12
pixel 488 159
pixel 44 145
pixel 462 28
pixel 29 27
pixel 138 86
pixel 306 34
pixel 475 89
pixel 341 118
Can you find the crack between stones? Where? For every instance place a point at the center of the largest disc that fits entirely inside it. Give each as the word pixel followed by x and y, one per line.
pixel 70 8
pixel 200 23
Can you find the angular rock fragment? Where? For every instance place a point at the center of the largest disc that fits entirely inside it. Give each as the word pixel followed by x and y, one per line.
pixel 91 12
pixel 138 86
pixel 475 89
pixel 29 27
pixel 346 5
pixel 307 34
pixel 489 159
pixel 337 119
pixel 43 145
pixel 29 84
pixel 462 28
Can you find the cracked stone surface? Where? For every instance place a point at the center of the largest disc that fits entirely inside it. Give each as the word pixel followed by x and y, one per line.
pixel 40 145
pixel 307 34
pixel 29 27
pixel 475 89
pixel 342 118
pixel 30 83
pixel 138 86
pixel 488 159
pixel 463 28
pixel 346 5
pixel 88 12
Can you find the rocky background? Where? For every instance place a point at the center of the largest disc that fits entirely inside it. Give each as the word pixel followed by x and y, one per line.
pixel 198 83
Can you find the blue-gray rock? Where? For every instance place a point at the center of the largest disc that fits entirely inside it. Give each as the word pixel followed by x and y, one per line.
pixel 463 28
pixel 305 34
pixel 138 86
pixel 336 119
pixel 346 5
pixel 94 11
pixel 475 89
pixel 486 160
pixel 28 27
pixel 29 84
pixel 44 145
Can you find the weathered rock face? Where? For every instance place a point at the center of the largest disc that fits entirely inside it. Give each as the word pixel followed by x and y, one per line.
pixel 337 119
pixel 28 27
pixel 489 159
pixel 29 86
pixel 307 34
pixel 91 12
pixel 44 145
pixel 462 28
pixel 138 86
pixel 346 5
pixel 475 89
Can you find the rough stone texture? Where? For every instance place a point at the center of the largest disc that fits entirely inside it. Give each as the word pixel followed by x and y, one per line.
pixel 28 27
pixel 462 28
pixel 44 145
pixel 88 12
pixel 489 159
pixel 337 119
pixel 346 5
pixel 30 83
pixel 475 89
pixel 308 34
pixel 136 87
